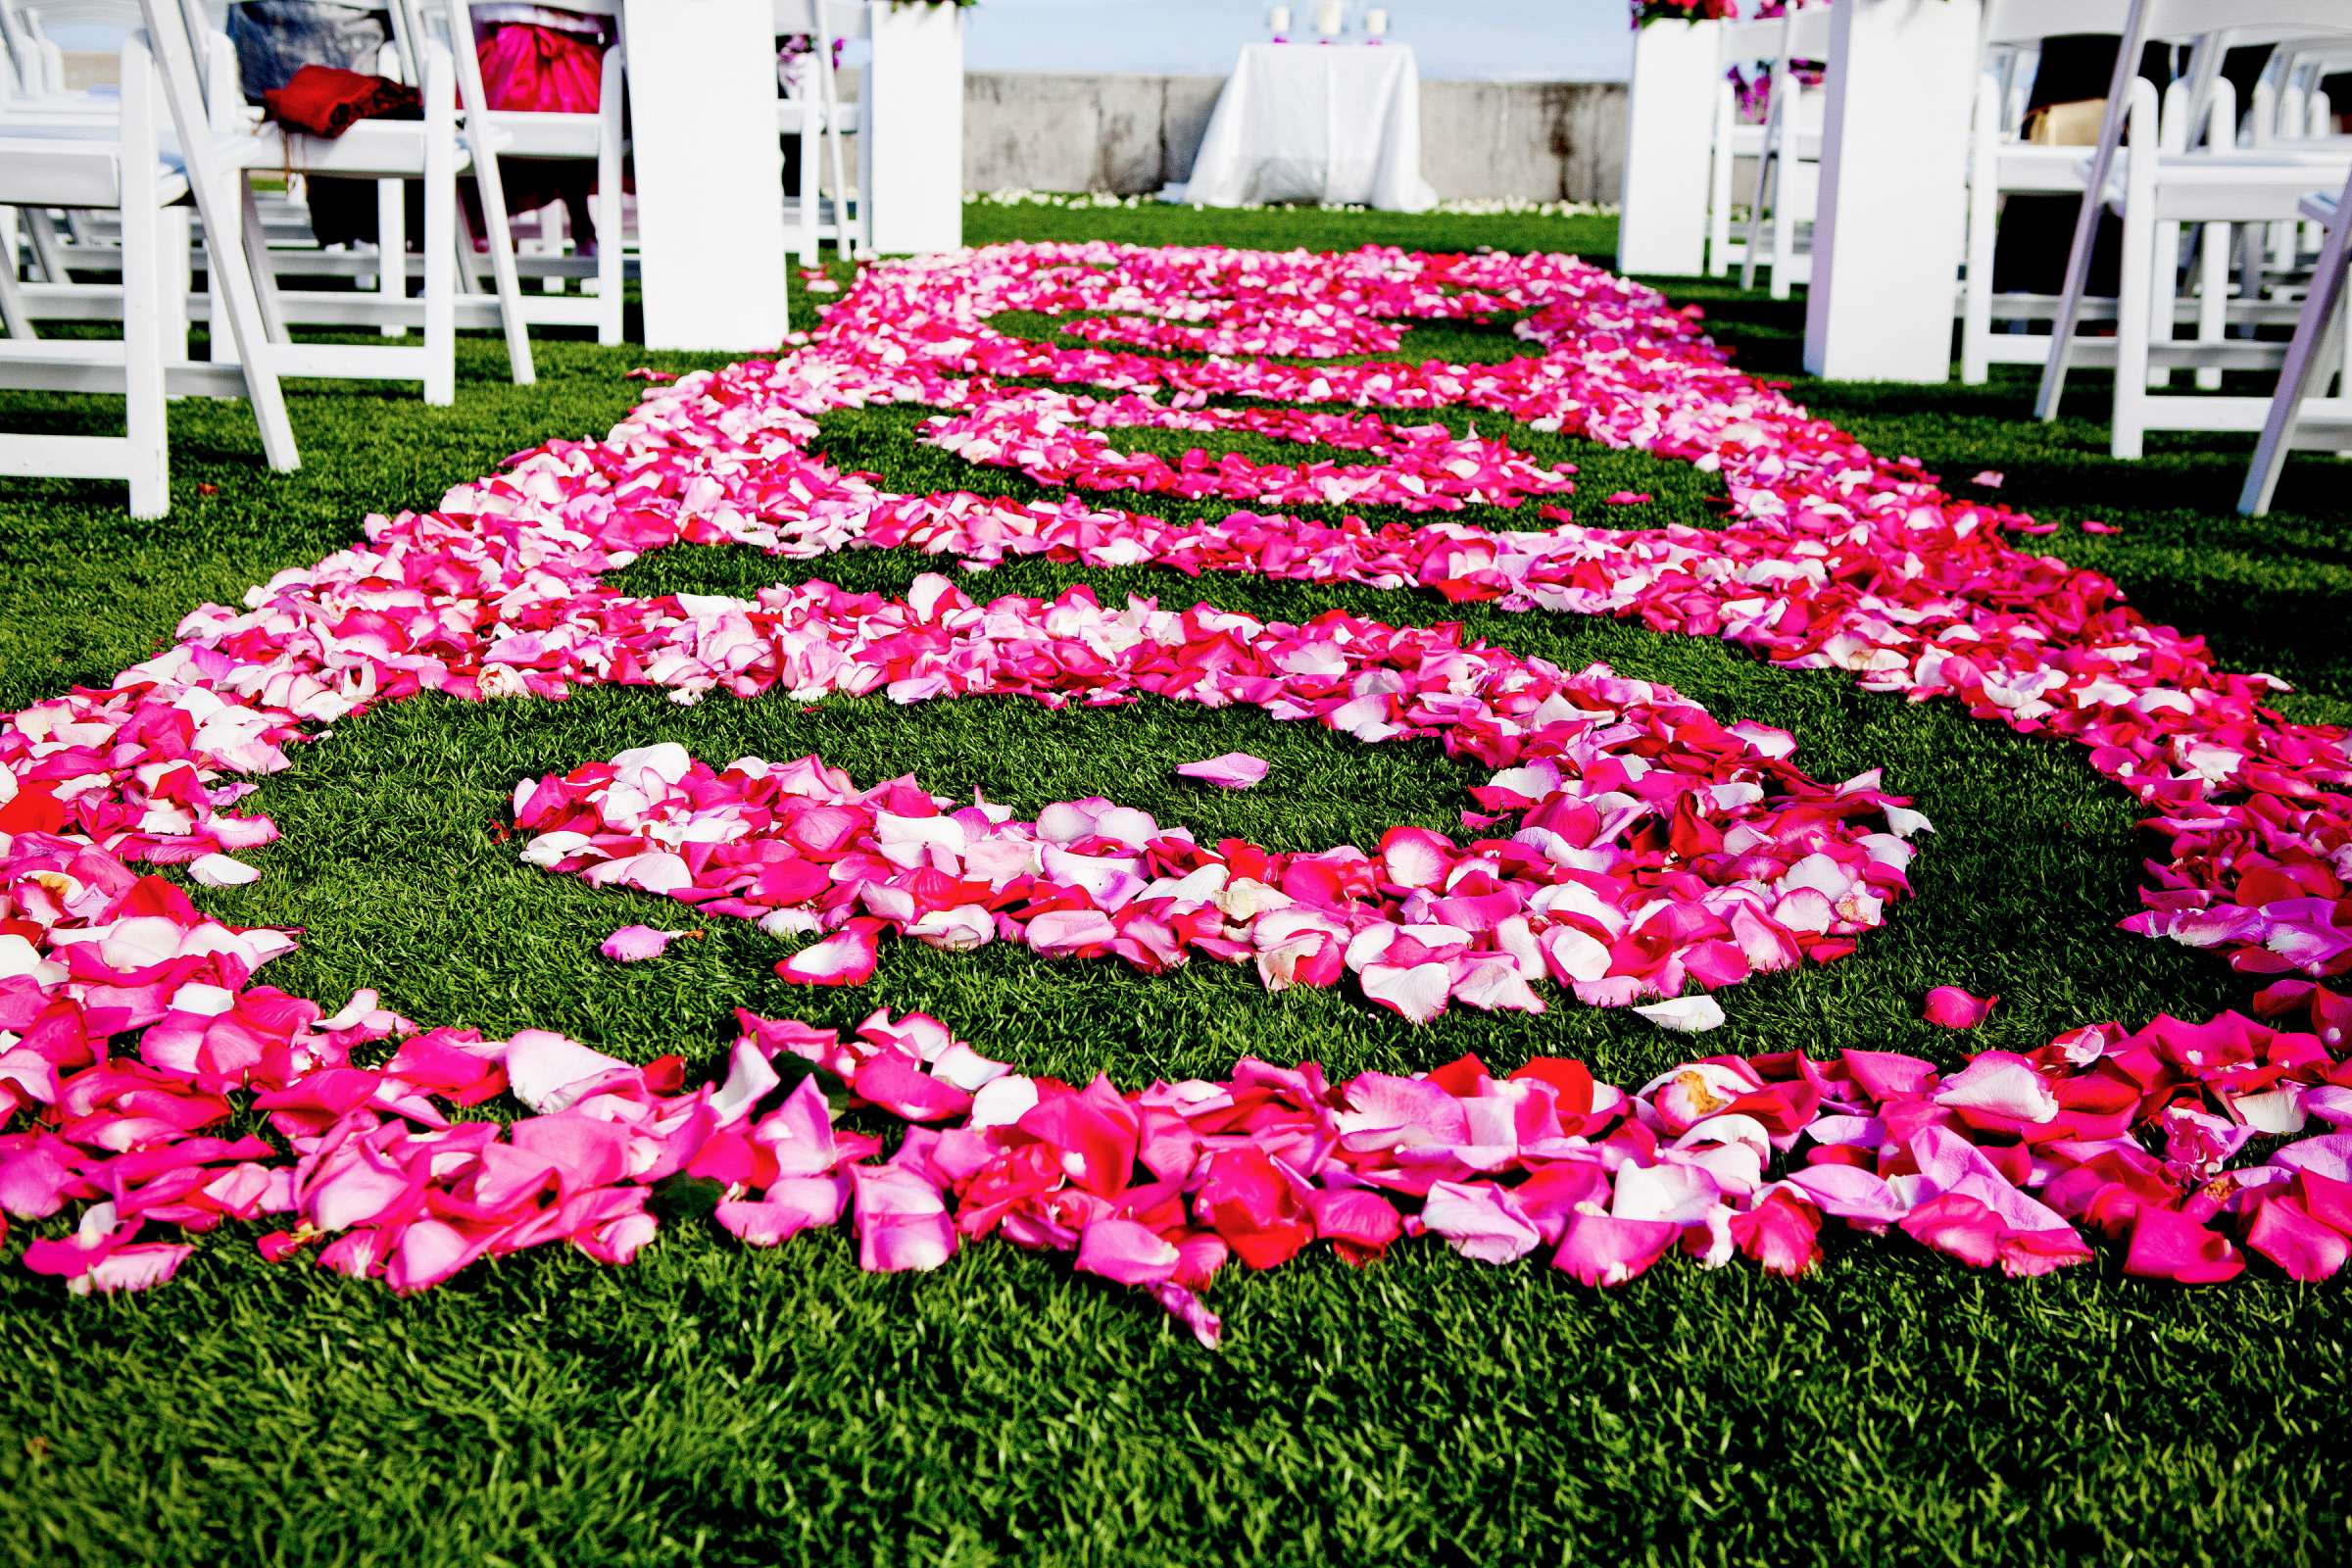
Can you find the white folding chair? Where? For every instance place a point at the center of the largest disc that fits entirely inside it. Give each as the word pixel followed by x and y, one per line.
pixel 130 170
pixel 381 150
pixel 38 85
pixel 493 135
pixel 2297 417
pixel 2004 163
pixel 37 57
pixel 2288 106
pixel 1788 170
pixel 1740 46
pixel 2154 184
pixel 818 113
pixel 77 254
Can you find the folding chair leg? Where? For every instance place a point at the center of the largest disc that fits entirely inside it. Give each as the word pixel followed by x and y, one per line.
pixel 175 280
pixel 810 146
pixel 1976 296
pixel 610 255
pixel 2164 295
pixel 440 249
pixel 144 233
pixel 41 231
pixel 256 240
pixel 218 326
pixel 2322 317
pixel 555 239
pixel 2142 115
pixel 12 319
pixel 846 244
pixel 441 92
pixel 843 245
pixel 1719 190
pixel 2213 297
pixel 228 227
pixel 468 248
pixel 2133 306
pixel 392 247
pixel 612 244
pixel 1783 232
pixel 1763 191
pixel 865 189
pixel 510 293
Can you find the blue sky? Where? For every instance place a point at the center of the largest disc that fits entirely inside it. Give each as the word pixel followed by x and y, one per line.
pixel 1516 40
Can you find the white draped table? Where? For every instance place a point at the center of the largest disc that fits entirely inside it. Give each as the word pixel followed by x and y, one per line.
pixel 1314 122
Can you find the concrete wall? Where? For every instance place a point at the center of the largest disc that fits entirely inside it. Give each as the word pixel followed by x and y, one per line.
pixel 1540 141
pixel 1035 130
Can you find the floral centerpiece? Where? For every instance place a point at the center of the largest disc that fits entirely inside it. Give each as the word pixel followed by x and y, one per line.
pixel 1646 12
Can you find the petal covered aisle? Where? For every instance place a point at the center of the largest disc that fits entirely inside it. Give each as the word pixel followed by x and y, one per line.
pixel 1624 849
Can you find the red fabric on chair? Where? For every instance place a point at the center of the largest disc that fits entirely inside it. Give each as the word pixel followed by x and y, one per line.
pixel 526 67
pixel 532 69
pixel 326 100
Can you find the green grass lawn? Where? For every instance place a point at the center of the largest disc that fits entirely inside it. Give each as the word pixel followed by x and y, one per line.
pixel 722 1405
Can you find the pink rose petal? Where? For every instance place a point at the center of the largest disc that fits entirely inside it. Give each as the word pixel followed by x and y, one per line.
pixel 1234 770
pixel 634 944
pixel 846 958
pixel 1954 1008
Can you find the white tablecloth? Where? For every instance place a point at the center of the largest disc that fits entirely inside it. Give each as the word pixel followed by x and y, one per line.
pixel 1314 122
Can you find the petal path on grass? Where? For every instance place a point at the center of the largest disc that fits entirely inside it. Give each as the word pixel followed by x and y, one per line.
pixel 1829 557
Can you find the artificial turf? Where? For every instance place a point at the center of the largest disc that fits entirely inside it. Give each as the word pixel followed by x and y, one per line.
pixel 716 1404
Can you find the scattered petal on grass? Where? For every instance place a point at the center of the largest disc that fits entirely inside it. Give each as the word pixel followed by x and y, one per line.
pixel 845 959
pixel 1628 498
pixel 1989 479
pixel 222 872
pixel 1684 1015
pixel 1235 770
pixel 1956 1008
pixel 634 944
pixel 2093 525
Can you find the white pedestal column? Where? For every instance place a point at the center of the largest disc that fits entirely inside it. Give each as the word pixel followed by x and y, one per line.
pixel 912 152
pixel 1671 115
pixel 1887 242
pixel 709 172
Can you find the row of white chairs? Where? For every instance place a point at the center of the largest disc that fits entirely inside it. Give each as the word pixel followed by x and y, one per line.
pixel 2160 186
pixel 73 174
pixel 132 166
pixel 1783 149
pixel 2223 213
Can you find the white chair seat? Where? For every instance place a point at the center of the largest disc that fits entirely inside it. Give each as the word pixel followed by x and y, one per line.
pixel 371 148
pixel 2054 171
pixel 76 172
pixel 527 133
pixel 2228 187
